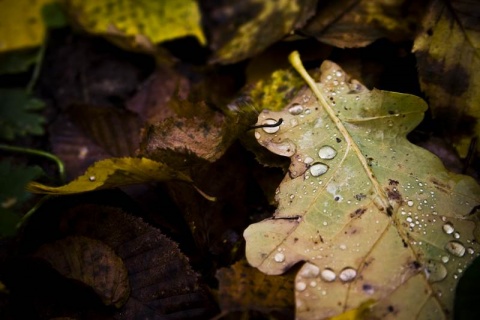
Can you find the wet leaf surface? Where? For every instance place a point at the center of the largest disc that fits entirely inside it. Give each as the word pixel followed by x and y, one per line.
pixel 91 262
pixel 371 215
pixel 446 72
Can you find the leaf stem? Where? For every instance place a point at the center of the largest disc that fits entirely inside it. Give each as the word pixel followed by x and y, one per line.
pixel 381 201
pixel 40 153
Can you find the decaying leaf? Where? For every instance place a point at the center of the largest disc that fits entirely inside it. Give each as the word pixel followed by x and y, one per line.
pixel 371 215
pixel 243 288
pixel 114 172
pixel 163 284
pixel 351 23
pixel 241 30
pixel 91 262
pixel 141 24
pixel 448 55
pixel 194 129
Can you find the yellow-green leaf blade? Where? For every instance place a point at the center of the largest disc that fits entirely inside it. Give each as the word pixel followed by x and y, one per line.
pixel 371 215
pixel 114 172
pixel 144 21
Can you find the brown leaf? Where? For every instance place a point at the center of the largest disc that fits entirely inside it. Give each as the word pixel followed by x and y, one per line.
pixel 243 288
pixel 162 282
pixel 353 23
pixel 91 262
pixel 195 129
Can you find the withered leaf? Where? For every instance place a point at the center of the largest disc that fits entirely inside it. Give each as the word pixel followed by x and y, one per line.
pixel 163 284
pixel 91 262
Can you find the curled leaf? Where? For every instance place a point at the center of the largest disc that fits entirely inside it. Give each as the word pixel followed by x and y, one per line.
pixel 115 172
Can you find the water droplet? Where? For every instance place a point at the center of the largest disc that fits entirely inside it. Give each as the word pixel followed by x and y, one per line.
pixel 295 109
pixel 309 270
pixel 92 178
pixel 445 259
pixel 338 73
pixel 455 248
pixel 318 169
pixel 435 271
pixel 456 235
pixel 285 148
pixel 328 275
pixel 279 257
pixel 470 251
pixel 347 274
pixel 313 283
pixel 448 228
pixel 308 160
pixel 257 135
pixel 327 152
pixel 300 286
pixel 307 111
pixel 410 203
pixel 270 129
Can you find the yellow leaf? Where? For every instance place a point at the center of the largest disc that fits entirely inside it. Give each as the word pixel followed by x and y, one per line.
pixel 142 23
pixel 114 172
pixel 21 24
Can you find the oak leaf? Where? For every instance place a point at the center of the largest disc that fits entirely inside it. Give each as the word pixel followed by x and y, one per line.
pixel 372 216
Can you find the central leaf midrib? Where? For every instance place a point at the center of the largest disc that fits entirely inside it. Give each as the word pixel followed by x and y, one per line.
pixel 297 64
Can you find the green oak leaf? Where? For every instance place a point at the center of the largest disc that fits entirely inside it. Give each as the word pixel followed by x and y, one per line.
pixel 375 219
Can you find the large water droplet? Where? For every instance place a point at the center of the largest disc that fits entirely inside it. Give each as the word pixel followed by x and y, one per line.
pixel 328 275
pixel 318 169
pixel 295 109
pixel 456 248
pixel 347 274
pixel 279 257
pixel 300 286
pixel 270 129
pixel 327 152
pixel 448 228
pixel 435 271
pixel 309 270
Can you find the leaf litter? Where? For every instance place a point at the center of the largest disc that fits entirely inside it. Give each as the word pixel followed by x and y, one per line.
pixel 370 215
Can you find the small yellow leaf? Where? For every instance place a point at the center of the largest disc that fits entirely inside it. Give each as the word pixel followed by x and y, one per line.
pixel 21 24
pixel 114 172
pixel 145 22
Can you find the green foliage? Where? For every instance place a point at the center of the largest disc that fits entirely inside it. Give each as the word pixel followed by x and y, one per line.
pixel 13 180
pixel 17 114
